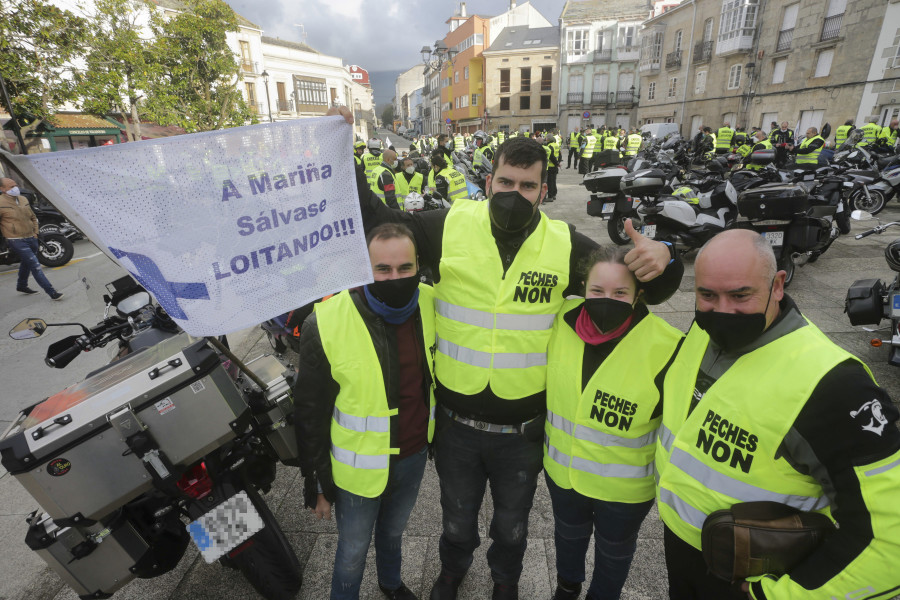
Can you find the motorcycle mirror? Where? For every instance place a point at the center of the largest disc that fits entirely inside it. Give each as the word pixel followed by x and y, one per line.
pixel 28 329
pixel 826 130
pixel 860 215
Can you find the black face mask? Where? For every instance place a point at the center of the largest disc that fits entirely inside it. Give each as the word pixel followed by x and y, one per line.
pixel 608 314
pixel 730 331
pixel 511 211
pixel 396 293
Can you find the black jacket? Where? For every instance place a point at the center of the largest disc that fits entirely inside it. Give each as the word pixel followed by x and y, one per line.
pixel 315 393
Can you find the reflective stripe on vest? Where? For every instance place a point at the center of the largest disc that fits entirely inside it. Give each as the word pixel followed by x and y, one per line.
pixel 724 451
pixel 723 137
pixel 372 179
pixel 870 133
pixel 371 161
pixel 841 134
pixel 456 184
pixel 493 328
pixel 361 420
pixel 600 438
pixel 590 142
pixel 634 144
pixel 573 140
pixel 813 157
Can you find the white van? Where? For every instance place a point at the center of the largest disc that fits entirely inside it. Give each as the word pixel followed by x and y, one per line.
pixel 659 130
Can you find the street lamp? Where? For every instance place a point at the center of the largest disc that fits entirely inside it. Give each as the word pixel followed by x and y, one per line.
pixel 438 58
pixel 265 75
pixel 632 93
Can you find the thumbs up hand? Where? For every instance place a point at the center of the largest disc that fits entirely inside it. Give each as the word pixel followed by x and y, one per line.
pixel 648 259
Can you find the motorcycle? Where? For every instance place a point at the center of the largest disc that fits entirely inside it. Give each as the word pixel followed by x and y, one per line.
pixel 869 301
pixel 54 250
pixel 173 441
pixel 608 202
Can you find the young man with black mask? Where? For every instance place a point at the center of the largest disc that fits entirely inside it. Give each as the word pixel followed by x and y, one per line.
pixel 365 410
pixel 502 270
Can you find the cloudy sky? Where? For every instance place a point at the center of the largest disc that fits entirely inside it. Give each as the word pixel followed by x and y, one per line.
pixel 378 36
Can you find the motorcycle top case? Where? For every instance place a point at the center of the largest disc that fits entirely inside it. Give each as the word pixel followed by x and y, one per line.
pixel 604 181
pixel 762 157
pixel 643 182
pixel 773 201
pixel 69 454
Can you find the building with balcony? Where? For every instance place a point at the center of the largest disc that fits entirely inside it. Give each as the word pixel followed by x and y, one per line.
pixel 404 93
pixel 881 97
pixel 599 56
pixel 751 63
pixel 522 79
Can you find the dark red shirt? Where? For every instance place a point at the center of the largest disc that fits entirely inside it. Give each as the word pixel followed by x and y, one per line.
pixel 412 430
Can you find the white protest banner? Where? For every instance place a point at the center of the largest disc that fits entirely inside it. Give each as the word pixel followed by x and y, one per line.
pixel 226 228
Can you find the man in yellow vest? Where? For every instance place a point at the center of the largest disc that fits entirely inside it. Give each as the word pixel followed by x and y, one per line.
pixel 842 133
pixel 502 269
pixel 587 153
pixel 870 132
pixel 445 181
pixel 574 148
pixel 723 138
pixel 359 149
pixel 808 151
pixel 760 142
pixel 761 406
pixel 372 158
pixel 633 144
pixel 459 142
pixel 407 180
pixel 364 408
pixel 888 133
pixel 381 179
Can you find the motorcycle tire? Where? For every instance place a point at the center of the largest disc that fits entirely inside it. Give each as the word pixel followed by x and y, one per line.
pixel 269 562
pixel 874 204
pixel 843 221
pixel 55 250
pixel 616 230
pixel 277 345
pixel 49 228
pixel 786 264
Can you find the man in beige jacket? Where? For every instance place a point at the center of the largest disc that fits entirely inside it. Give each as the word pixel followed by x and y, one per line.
pixel 20 228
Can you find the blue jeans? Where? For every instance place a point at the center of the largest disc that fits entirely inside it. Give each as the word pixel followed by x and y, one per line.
pixel 27 249
pixel 356 516
pixel 467 459
pixel 615 527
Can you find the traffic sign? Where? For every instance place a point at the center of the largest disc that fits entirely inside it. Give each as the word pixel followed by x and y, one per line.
pixel 586 115
pixel 449 121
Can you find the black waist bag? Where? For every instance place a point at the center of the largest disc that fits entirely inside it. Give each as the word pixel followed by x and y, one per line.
pixel 757 538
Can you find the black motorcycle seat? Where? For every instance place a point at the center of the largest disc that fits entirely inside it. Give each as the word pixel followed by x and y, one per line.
pixel 887 160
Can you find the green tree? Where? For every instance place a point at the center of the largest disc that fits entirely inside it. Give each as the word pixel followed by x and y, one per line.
pixel 39 43
pixel 387 117
pixel 197 84
pixel 120 63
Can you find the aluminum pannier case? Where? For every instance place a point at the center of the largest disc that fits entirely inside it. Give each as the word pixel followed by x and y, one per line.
pixel 70 452
pixel 774 201
pixel 275 409
pixel 604 181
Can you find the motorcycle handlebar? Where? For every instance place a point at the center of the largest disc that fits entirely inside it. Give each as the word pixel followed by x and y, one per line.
pixel 64 357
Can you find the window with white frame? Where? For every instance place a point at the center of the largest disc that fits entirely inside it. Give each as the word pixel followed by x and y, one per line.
pixel 474 99
pixel 738 19
pixel 823 63
pixel 734 77
pixel 465 72
pixel 577 41
pixel 673 86
pixel 627 37
pixel 778 70
pixel 700 82
pixel 651 91
pixel 707 30
pixel 678 36
pixel 456 77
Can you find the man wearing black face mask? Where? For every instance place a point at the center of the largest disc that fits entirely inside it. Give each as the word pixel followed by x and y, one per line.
pixel 760 405
pixel 365 410
pixel 502 270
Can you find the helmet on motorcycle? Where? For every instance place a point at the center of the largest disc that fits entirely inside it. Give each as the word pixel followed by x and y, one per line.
pixel 892 255
pixel 374 144
pixel 414 202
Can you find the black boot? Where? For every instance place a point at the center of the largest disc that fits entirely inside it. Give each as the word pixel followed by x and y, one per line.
pixel 446 586
pixel 566 590
pixel 503 591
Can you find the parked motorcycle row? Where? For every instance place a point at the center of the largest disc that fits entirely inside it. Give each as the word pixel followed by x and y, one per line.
pixel 672 195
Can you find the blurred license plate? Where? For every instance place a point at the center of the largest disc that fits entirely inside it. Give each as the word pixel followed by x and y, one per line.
pixel 609 207
pixel 225 527
pixel 775 238
pixel 649 230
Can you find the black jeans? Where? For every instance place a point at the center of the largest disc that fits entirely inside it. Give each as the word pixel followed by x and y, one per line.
pixel 467 459
pixel 572 152
pixel 551 182
pixel 689 579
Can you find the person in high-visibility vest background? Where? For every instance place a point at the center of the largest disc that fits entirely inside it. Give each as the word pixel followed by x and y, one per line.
pixel 603 408
pixel 761 406
pixel 364 408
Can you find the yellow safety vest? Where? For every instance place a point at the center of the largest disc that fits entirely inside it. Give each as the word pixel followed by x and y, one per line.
pixel 372 180
pixel 459 143
pixel 500 137
pixel 841 134
pixel 362 420
pixel 888 134
pixel 610 142
pixel 766 145
pixel 724 452
pixel 371 161
pixel 813 157
pixel 549 152
pixel 404 187
pixel 634 144
pixel 573 140
pixel 723 138
pixel 600 441
pixel 456 183
pixel 870 134
pixel 494 327
pixel 590 142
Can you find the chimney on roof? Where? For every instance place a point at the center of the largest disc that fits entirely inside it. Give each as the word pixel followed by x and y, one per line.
pixel 462 9
pixel 512 4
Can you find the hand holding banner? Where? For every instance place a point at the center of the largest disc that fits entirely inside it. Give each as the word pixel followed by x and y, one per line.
pixel 225 228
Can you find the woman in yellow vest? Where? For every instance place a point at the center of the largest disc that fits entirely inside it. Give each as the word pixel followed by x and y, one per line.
pixel 603 409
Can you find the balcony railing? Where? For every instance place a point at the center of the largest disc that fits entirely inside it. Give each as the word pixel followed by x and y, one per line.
pixel 673 59
pixel 598 97
pixel 628 53
pixel 575 97
pixel 285 105
pixel 785 37
pixel 626 97
pixel 703 52
pixel 832 27
pixel 649 63
pixel 603 55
